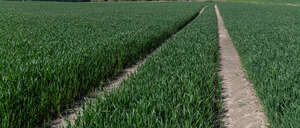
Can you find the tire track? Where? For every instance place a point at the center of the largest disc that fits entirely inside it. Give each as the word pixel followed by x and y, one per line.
pixel 72 113
pixel 242 108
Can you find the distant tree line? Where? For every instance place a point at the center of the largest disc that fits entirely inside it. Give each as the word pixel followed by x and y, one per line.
pixel 94 0
pixel 65 0
pixel 54 0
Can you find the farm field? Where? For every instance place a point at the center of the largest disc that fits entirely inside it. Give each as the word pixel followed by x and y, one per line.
pixel 176 87
pixel 51 53
pixel 267 39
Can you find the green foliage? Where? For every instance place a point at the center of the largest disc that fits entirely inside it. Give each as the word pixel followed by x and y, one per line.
pixel 51 0
pixel 267 39
pixel 65 0
pixel 51 53
pixel 178 85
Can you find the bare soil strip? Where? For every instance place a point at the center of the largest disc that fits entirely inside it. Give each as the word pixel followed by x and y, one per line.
pixel 290 4
pixel 242 108
pixel 71 114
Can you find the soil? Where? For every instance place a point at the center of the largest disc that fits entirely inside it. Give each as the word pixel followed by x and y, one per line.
pixel 242 108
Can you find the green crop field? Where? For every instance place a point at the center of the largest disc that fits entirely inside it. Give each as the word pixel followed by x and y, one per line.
pixel 267 39
pixel 176 87
pixel 51 53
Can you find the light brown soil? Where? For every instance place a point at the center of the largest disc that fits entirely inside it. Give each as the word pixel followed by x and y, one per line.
pixel 242 108
pixel 202 10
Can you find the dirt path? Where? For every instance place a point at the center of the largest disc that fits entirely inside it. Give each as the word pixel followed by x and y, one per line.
pixel 290 4
pixel 71 114
pixel 242 107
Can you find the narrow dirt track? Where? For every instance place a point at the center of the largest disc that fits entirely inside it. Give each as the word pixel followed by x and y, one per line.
pixel 72 113
pixel 242 108
pixel 77 109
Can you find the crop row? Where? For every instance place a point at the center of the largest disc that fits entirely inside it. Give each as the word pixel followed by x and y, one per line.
pixel 267 39
pixel 178 85
pixel 51 53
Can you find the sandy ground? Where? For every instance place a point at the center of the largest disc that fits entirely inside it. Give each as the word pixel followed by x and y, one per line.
pixel 242 108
